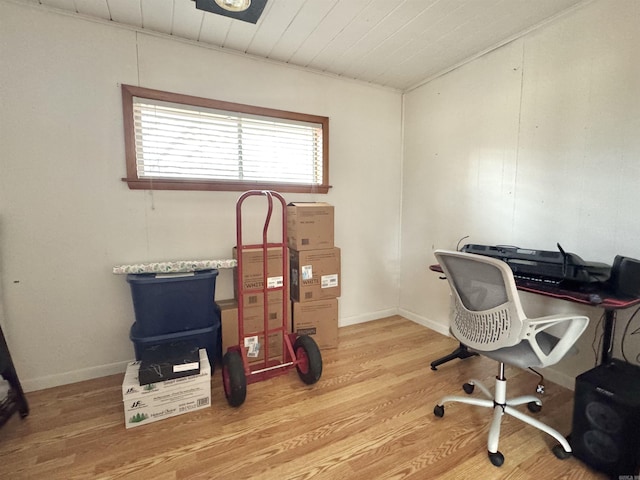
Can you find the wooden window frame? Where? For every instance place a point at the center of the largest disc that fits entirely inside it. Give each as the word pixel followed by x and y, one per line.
pixel 136 183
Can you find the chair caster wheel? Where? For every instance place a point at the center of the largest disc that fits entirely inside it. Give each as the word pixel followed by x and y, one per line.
pixel 560 452
pixel 438 411
pixel 534 407
pixel 468 388
pixel 496 459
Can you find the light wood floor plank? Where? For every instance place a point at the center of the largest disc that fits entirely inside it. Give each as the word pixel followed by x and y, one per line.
pixel 369 417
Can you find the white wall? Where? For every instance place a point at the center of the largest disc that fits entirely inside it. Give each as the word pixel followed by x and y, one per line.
pixel 532 144
pixel 66 218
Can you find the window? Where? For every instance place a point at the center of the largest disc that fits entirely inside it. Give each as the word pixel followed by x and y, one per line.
pixel 179 142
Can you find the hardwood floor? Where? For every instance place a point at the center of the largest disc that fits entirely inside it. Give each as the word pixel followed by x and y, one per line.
pixel 369 417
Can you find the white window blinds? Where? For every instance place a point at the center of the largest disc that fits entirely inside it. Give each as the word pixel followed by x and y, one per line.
pixel 178 141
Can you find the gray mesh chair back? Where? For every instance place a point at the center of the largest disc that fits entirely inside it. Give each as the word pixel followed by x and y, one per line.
pixel 487 311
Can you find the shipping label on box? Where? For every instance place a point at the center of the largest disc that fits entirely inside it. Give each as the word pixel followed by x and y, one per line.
pixel 310 225
pixel 255 347
pixel 131 385
pixel 319 320
pixel 315 274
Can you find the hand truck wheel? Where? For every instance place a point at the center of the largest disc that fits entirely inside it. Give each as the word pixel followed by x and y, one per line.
pixel 309 359
pixel 233 378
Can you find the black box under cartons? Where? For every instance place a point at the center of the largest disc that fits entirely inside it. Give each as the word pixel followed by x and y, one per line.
pixel 168 361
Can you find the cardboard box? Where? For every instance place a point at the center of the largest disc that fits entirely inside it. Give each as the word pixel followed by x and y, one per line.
pixel 229 319
pixel 156 401
pixel 310 225
pixel 229 323
pixel 253 270
pixel 253 310
pixel 319 320
pixel 315 274
pixel 275 349
pixel 141 411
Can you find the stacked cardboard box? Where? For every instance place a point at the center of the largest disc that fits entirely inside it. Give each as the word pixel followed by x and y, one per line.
pixel 153 402
pixel 229 315
pixel 253 303
pixel 314 263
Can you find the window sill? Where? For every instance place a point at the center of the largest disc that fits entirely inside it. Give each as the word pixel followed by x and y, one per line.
pixel 164 184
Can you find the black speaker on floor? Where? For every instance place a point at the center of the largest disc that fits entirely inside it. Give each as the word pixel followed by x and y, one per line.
pixel 606 418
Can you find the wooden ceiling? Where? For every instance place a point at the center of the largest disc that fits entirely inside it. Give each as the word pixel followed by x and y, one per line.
pixel 393 43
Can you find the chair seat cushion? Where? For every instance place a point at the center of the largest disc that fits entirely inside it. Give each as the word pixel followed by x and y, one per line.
pixel 522 355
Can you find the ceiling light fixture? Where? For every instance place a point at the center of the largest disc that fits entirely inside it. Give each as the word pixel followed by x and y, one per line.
pixel 234 5
pixel 245 10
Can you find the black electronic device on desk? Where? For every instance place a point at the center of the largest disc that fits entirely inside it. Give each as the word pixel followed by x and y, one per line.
pixel 545 266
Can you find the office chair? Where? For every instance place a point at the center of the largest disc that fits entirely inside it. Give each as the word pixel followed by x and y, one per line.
pixel 488 318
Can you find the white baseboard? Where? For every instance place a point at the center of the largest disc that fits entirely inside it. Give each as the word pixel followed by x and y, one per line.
pixel 74 376
pixel 436 326
pixel 346 321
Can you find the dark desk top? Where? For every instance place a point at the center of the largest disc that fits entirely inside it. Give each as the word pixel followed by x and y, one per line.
pixel 588 294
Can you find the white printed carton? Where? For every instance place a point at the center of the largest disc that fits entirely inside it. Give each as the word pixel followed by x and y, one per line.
pixel 150 403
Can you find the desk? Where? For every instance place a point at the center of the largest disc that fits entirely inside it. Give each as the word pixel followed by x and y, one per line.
pixel 587 294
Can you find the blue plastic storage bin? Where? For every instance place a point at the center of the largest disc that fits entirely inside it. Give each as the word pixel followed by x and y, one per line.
pixel 208 338
pixel 169 303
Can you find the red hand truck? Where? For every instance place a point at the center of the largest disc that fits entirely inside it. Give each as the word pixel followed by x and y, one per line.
pixel 299 351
